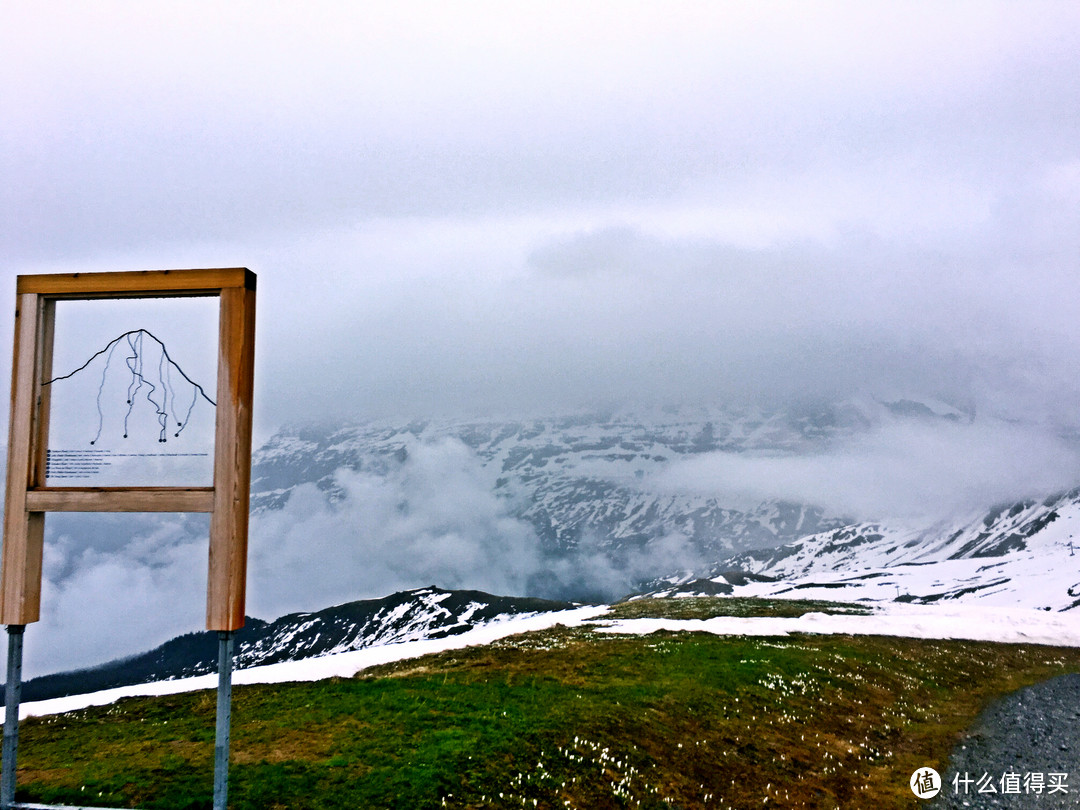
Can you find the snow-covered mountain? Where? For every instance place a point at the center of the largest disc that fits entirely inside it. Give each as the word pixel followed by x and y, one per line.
pixel 589 477
pixel 422 613
pixel 598 481
pixel 1024 554
pixel 594 486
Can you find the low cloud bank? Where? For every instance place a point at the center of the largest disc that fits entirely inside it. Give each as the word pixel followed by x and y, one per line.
pixel 908 470
pixel 116 585
pixel 119 584
pixel 433 519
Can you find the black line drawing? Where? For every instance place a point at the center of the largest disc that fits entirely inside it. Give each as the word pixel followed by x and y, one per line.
pixel 162 395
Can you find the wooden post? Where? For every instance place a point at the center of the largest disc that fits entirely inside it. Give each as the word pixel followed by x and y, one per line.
pixel 20 565
pixel 232 462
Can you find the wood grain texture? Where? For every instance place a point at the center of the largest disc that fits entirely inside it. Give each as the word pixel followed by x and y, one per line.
pixel 227 576
pixel 120 499
pixel 39 457
pixel 20 589
pixel 28 497
pixel 138 283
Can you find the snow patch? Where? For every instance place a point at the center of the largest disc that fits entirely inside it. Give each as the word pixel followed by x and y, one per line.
pixel 974 623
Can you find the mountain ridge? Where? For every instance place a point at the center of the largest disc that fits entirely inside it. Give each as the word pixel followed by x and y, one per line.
pixel 585 478
pixel 1024 553
pixel 420 613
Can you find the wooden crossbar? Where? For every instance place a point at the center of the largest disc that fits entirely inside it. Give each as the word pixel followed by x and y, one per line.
pixel 141 283
pixel 120 499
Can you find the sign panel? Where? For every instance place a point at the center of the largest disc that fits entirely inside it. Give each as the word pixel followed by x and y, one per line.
pixel 131 392
pixel 134 396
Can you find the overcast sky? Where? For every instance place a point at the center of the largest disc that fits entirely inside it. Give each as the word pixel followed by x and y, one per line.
pixel 497 208
pixel 500 207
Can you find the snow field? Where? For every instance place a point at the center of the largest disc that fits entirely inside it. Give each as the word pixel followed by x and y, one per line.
pixel 968 622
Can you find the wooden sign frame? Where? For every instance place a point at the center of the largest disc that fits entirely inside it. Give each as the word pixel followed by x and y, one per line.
pixel 227 500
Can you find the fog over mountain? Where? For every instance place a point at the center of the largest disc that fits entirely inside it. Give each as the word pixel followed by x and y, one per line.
pixel 583 507
pixel 535 210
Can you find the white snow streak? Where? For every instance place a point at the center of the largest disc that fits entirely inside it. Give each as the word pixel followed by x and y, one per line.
pixel 343 665
pixel 1005 625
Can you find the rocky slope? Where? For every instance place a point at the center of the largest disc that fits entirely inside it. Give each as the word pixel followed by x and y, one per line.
pixel 407 616
pixel 588 476
pixel 1022 554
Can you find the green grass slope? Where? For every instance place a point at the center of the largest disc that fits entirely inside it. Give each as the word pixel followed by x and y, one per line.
pixel 559 719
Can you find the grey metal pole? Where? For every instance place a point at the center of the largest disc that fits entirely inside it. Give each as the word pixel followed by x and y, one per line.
pixel 12 694
pixel 224 718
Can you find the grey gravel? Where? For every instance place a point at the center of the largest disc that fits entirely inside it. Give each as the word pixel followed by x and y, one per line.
pixel 1032 731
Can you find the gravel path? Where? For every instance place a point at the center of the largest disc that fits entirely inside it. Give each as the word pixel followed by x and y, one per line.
pixel 1033 734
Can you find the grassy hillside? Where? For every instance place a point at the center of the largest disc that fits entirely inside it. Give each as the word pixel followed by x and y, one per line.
pixel 557 719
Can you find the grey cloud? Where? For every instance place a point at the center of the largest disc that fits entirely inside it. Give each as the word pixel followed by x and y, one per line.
pixel 115 585
pixel 119 584
pixel 911 471
pixel 812 319
pixel 433 520
pixel 146 128
pixel 533 209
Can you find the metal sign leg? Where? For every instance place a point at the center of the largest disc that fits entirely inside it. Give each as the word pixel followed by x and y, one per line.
pixel 224 718
pixel 12 694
